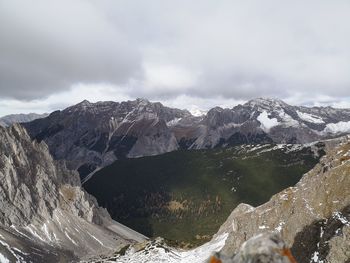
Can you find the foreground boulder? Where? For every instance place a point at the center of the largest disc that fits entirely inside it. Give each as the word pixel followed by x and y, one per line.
pixel 263 248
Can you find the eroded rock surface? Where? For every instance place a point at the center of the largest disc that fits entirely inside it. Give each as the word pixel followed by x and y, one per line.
pixel 311 217
pixel 44 213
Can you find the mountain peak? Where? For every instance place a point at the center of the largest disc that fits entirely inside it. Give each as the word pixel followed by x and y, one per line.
pixel 84 103
pixel 142 101
pixel 266 102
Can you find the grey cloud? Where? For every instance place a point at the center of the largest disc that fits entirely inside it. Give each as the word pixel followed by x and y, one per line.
pixel 233 49
pixel 46 46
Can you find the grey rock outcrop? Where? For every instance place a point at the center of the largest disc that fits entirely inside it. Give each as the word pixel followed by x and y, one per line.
pixel 312 217
pixel 263 248
pixel 43 206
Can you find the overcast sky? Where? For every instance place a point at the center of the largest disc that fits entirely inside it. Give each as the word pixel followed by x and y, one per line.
pixel 186 54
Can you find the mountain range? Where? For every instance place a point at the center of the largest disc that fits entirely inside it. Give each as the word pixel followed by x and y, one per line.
pixel 47 216
pixel 90 136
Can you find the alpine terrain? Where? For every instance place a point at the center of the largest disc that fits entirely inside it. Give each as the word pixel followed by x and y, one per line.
pixel 190 174
pixel 90 136
pixel 45 215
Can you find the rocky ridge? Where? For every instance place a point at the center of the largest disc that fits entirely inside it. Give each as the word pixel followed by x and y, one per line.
pixel 266 120
pixel 90 136
pixel 45 216
pixel 8 120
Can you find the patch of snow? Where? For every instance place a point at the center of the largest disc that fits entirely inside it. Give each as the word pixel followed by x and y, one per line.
pixel 66 234
pixel 162 254
pixel 46 231
pixel 341 218
pixel 266 122
pixel 280 226
pixel 263 227
pixel 322 232
pixel 284 197
pixel 173 122
pixel 12 251
pixel 315 257
pixel 309 117
pixel 287 120
pixel 34 233
pixel 96 239
pixel 20 232
pixel 3 259
pixel 257 147
pixel 197 112
pixel 339 127
pixel 20 251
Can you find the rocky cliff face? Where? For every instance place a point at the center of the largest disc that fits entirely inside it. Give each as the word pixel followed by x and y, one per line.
pixel 312 217
pixel 90 136
pixel 45 216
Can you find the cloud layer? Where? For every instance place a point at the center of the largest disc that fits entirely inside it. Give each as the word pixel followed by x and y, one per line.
pixel 167 50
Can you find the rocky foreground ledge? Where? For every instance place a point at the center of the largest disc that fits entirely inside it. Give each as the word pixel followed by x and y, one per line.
pixel 312 217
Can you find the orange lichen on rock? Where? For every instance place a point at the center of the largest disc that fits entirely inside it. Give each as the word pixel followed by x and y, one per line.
pixel 213 259
pixel 287 253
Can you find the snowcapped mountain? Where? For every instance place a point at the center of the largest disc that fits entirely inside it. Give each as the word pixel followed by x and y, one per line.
pixel 266 120
pixel 92 135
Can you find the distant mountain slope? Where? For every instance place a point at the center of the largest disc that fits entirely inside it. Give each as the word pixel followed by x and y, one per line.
pixel 185 196
pixel 45 216
pixel 90 136
pixel 93 135
pixel 264 120
pixel 17 118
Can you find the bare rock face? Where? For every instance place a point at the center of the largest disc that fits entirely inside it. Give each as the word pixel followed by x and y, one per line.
pixel 92 135
pixel 43 206
pixel 312 217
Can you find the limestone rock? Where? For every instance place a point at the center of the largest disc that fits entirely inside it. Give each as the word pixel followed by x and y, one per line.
pixel 44 213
